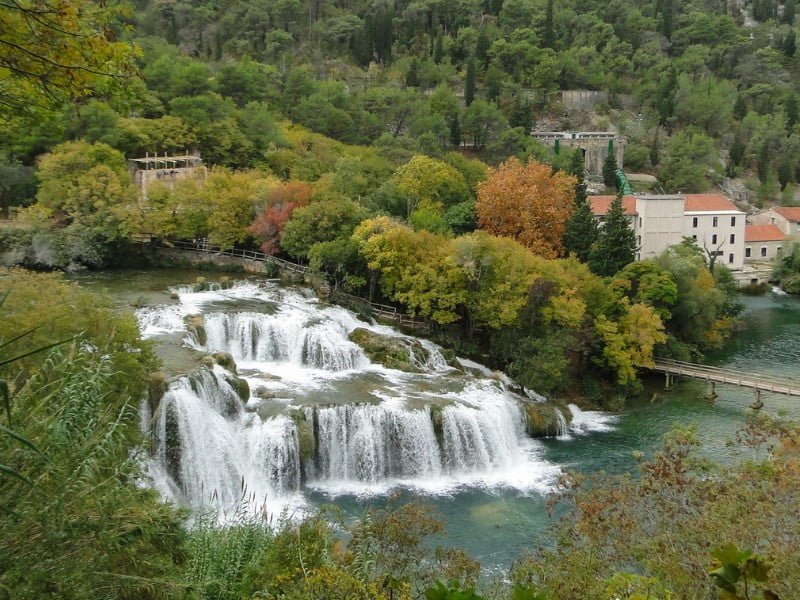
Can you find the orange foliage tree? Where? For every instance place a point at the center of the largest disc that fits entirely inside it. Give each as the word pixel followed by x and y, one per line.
pixel 528 203
pixel 279 203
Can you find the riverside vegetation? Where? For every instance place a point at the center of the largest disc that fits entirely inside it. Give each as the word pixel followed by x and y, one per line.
pixel 335 134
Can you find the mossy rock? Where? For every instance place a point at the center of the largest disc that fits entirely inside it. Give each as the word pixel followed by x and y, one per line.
pixel 450 357
pixel 156 388
pixel 305 438
pixel 541 419
pixel 196 326
pixel 208 361
pixel 225 360
pixel 391 352
pixel 240 386
pixel 436 420
pixel 263 393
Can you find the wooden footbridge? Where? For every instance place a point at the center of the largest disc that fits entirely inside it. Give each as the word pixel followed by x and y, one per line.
pixel 714 375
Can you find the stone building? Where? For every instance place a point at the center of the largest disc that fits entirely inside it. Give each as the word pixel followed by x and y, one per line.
pixel 763 243
pixel 785 218
pixel 167 169
pixel 593 143
pixel 661 221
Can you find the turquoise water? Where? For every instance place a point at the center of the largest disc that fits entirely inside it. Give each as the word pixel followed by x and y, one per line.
pixel 494 526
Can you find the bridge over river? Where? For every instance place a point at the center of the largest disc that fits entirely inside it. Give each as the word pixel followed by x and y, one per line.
pixel 713 375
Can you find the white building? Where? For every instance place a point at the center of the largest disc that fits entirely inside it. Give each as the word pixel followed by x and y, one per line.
pixel 786 218
pixel 763 243
pixel 664 220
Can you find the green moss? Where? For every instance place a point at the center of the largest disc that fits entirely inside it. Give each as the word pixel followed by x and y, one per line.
pixel 305 438
pixel 392 353
pixel 156 388
pixel 542 418
pixel 436 420
pixel 240 386
pixel 225 360
pixel 195 324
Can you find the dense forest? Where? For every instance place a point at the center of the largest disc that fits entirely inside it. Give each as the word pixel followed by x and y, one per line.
pixel 386 145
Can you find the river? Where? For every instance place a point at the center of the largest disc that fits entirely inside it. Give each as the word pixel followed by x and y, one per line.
pixel 482 474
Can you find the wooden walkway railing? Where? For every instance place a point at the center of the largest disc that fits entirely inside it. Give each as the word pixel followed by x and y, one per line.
pixel 713 375
pixel 381 310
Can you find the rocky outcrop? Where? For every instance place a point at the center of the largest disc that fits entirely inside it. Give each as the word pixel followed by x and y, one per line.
pixel 403 354
pixel 196 326
pixel 543 419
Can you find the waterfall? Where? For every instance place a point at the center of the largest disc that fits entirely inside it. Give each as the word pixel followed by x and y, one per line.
pixel 370 443
pixel 584 421
pixel 288 336
pixel 215 453
pixel 327 418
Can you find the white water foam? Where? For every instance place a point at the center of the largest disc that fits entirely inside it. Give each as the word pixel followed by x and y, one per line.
pixel 585 421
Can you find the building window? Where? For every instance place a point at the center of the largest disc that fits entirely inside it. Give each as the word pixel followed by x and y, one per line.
pixel 747 252
pixel 640 221
pixel 715 222
pixel 694 237
pixel 733 221
pixel 730 258
pixel 779 251
pixel 639 240
pixel 694 222
pixel 733 237
pixel 714 238
pixel 763 251
pixel 717 253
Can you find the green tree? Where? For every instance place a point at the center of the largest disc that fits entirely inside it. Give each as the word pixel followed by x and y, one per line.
pixel 412 75
pixel 580 231
pixel 610 167
pixel 616 243
pixel 455 131
pixel 548 36
pixel 469 83
pixel 438 50
pixel 325 220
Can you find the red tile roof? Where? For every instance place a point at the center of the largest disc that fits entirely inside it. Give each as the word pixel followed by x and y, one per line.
pixel 707 202
pixel 601 204
pixel 790 213
pixel 763 233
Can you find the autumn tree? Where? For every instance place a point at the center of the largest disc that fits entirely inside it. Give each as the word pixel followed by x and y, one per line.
pixel 54 51
pixel 324 220
pixel 527 202
pixel 277 206
pixel 430 181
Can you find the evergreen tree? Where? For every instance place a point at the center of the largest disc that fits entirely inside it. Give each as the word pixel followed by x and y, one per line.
pixel 580 230
pixel 383 35
pixel 762 163
pixel 789 11
pixel 521 114
pixel 736 153
pixel 792 113
pixel 667 18
pixel 655 151
pixel 548 38
pixel 616 243
pixel 412 75
pixel 438 50
pixel 790 44
pixel 785 173
pixel 577 168
pixel 665 98
pixel 482 45
pixel 740 107
pixel 455 131
pixel 469 83
pixel 610 166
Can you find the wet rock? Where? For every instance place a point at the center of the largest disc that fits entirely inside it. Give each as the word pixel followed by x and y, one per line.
pixel 305 437
pixel 263 393
pixel 391 352
pixel 240 386
pixel 196 326
pixel 225 360
pixel 542 419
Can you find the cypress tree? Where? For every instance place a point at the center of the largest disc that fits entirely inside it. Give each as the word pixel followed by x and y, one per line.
pixel 762 163
pixel 789 11
pixel 667 18
pixel 548 38
pixel 455 131
pixel 482 45
pixel 785 173
pixel 616 243
pixel 383 35
pixel 412 75
pixel 610 166
pixel 521 114
pixel 438 50
pixel 736 153
pixel 740 107
pixel 790 44
pixel 469 84
pixel 791 112
pixel 655 151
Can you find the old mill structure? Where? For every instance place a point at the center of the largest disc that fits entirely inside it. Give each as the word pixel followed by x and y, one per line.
pixel 595 145
pixel 167 169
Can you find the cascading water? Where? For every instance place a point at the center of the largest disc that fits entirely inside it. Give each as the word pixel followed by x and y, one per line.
pixel 322 415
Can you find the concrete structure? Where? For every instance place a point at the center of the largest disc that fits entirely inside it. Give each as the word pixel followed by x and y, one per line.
pixel 661 221
pixel 578 99
pixel 763 243
pixel 593 143
pixel 786 218
pixel 167 169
